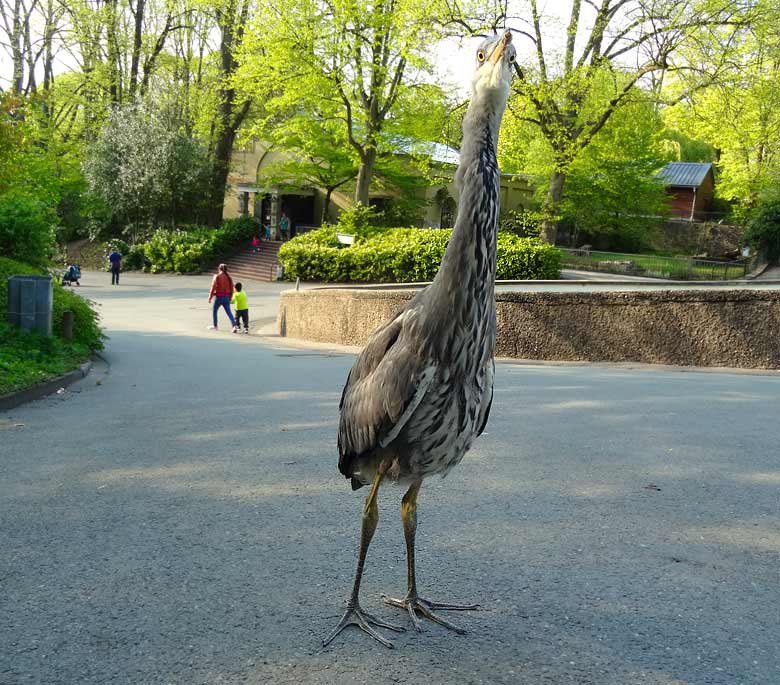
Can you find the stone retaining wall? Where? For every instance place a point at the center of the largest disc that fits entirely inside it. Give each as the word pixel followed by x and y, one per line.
pixel 732 328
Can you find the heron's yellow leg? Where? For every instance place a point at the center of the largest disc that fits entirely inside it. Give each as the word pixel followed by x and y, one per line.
pixel 370 522
pixel 354 613
pixel 412 602
pixel 409 519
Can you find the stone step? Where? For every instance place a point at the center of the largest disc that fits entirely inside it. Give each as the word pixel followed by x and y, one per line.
pixel 259 266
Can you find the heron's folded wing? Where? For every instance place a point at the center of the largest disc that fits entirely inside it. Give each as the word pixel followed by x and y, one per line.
pixel 487 398
pixel 385 385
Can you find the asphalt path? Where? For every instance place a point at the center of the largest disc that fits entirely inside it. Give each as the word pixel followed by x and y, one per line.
pixel 177 517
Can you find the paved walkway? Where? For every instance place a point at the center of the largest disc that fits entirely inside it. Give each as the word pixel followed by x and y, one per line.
pixel 771 274
pixel 183 520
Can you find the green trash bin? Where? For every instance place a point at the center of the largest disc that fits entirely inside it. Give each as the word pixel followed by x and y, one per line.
pixel 29 303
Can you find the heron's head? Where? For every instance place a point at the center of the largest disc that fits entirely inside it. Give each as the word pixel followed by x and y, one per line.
pixel 495 58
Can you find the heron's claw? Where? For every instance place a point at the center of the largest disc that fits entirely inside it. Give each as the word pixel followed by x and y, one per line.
pixel 354 615
pixel 414 605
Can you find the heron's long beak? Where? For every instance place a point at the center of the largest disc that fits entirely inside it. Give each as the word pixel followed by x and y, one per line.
pixel 500 47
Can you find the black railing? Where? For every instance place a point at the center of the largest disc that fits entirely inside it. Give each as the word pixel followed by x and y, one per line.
pixel 654 266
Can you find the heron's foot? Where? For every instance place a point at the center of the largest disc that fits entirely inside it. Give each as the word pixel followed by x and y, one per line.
pixel 416 605
pixel 355 615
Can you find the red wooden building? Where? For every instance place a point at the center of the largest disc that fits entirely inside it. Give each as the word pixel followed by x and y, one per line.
pixel 691 186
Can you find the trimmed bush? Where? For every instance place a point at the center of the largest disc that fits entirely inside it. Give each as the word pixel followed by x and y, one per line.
pixel 520 259
pixel 399 255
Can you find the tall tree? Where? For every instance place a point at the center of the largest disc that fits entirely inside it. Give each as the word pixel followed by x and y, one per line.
pixel 740 115
pixel 366 58
pixel 627 40
pixel 232 106
pixel 610 186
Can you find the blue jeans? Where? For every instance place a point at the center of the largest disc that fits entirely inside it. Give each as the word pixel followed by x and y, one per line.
pixel 223 301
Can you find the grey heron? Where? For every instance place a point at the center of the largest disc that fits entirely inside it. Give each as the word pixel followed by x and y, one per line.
pixel 421 389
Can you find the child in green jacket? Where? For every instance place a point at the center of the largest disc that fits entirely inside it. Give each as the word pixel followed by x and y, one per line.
pixel 240 300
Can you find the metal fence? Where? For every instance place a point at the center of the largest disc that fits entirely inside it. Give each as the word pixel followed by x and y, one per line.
pixel 654 266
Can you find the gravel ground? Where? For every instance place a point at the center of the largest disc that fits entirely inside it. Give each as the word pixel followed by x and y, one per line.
pixel 177 517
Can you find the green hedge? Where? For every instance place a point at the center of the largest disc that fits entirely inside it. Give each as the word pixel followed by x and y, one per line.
pixel 189 249
pixel 399 255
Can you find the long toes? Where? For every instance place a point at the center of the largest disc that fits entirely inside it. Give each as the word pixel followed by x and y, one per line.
pixel 362 619
pixel 368 629
pixel 425 611
pixel 413 615
pixel 393 602
pixel 440 606
pixel 382 624
pixel 342 624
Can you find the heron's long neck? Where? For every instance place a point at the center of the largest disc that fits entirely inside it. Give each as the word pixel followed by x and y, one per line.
pixel 468 269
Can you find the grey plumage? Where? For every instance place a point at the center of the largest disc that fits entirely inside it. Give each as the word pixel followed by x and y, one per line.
pixel 420 391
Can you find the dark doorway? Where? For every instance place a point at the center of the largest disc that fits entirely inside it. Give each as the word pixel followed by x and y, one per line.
pixel 265 210
pixel 300 210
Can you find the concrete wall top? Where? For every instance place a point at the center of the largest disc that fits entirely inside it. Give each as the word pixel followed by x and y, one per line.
pixel 714 328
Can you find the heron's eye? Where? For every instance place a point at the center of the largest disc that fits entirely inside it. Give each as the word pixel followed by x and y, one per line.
pixel 511 58
pixel 481 56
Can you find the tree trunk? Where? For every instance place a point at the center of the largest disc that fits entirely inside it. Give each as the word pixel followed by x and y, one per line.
pixel 551 207
pixel 365 172
pixel 221 161
pixel 112 53
pixel 138 32
pixel 48 59
pixel 231 114
pixel 16 48
pixel 326 205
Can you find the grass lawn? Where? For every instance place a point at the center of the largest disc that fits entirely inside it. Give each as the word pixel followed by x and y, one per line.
pixel 27 359
pixel 654 265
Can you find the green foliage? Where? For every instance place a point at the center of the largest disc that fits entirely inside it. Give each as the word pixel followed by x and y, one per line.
pixel 763 231
pixel 356 218
pixel 316 146
pixel 29 358
pixel 26 227
pixel 12 267
pixel 135 259
pixel 147 170
pixel 526 259
pixel 119 245
pixel 359 64
pixel 194 249
pixel 525 224
pixel 404 255
pixel 87 336
pixel 610 189
pixel 738 114
pixel 42 169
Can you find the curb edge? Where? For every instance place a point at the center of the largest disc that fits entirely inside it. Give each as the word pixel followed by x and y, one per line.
pixel 36 392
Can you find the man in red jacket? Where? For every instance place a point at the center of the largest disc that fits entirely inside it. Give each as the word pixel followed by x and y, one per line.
pixel 221 292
